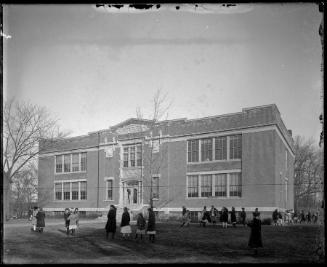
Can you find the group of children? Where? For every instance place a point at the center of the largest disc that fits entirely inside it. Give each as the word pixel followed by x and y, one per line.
pixel 213 215
pixel 71 217
pixel 125 227
pixel 37 216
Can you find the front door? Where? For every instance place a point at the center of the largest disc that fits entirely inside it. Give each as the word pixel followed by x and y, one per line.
pixel 131 193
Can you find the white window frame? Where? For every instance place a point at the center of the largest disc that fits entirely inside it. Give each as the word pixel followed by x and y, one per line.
pixel 106 179
pixel 70 186
pixel 71 163
pixel 212 173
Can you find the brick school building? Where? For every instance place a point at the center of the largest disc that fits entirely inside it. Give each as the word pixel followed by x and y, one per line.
pixel 243 159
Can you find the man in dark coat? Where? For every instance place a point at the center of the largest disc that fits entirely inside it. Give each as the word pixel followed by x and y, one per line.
pixel 275 216
pixel 111 223
pixel 151 229
pixel 255 240
pixel 243 217
pixel 225 217
pixel 40 223
pixel 233 217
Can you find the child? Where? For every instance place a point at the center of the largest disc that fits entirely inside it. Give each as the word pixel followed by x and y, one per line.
pixel 140 225
pixel 186 218
pixel 255 240
pixel 125 228
pixel 35 211
pixel 40 224
pixel 73 219
pixel 66 215
pixel 151 230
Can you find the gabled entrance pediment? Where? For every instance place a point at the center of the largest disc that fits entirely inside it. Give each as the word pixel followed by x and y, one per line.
pixel 132 126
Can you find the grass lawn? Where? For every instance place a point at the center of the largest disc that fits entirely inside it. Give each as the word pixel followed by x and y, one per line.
pixel 173 244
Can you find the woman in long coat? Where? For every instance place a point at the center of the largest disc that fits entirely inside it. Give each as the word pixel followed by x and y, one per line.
pixel 111 223
pixel 255 240
pixel 225 217
pixel 40 224
pixel 140 224
pixel 151 230
pixel 73 221
pixel 125 227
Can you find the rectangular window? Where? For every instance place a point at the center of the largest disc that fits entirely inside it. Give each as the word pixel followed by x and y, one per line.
pixel 132 155
pixel 221 148
pixel 59 164
pixel 193 186
pixel 206 185
pixel 235 185
pixel 206 149
pixel 67 163
pixel 75 163
pixel 193 150
pixel 109 189
pixel 125 156
pixel 155 187
pixel 139 155
pixel 83 161
pixel 58 191
pixel 66 191
pixel 235 147
pixel 75 191
pixel 220 185
pixel 83 190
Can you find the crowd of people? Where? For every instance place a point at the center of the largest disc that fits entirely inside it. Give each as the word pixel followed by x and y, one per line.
pixel 125 227
pixel 294 217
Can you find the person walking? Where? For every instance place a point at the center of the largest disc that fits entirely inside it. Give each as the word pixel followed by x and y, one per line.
pixel 73 221
pixel 125 227
pixel 302 216
pixel 111 222
pixel 140 225
pixel 186 219
pixel 243 217
pixel 151 229
pixel 40 223
pixel 233 217
pixel 66 215
pixel 255 240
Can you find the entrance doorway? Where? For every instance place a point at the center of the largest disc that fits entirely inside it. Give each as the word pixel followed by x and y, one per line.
pixel 131 193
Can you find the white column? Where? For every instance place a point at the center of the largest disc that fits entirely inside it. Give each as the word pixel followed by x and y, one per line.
pixel 213 149
pixel 213 184
pixel 199 179
pixel 121 193
pixel 200 150
pixel 228 177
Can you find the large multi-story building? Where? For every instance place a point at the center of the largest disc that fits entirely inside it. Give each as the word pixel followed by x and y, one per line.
pixel 242 159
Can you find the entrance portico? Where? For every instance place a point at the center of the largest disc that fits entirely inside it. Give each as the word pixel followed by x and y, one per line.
pixel 131 193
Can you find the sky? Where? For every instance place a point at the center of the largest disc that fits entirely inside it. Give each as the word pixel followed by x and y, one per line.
pixel 92 67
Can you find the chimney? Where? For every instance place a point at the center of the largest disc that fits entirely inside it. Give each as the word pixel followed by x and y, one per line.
pixel 290 132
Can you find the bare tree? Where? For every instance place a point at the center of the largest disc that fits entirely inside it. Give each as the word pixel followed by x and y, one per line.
pixel 308 170
pixel 154 155
pixel 24 126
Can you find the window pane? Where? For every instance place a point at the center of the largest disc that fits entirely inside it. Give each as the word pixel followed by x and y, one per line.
pixel 125 156
pixel 58 191
pixel 58 164
pixel 83 161
pixel 83 190
pixel 67 163
pixel 139 155
pixel 132 155
pixel 193 150
pixel 75 163
pixel 206 149
pixel 109 189
pixel 75 191
pixel 66 191
pixel 235 185
pixel 221 148
pixel 235 147
pixel 206 185
pixel 193 186
pixel 220 185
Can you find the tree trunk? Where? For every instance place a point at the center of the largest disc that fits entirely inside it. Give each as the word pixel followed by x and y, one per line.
pixel 6 198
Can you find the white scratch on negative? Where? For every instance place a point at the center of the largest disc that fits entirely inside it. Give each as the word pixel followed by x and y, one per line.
pixel 5 35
